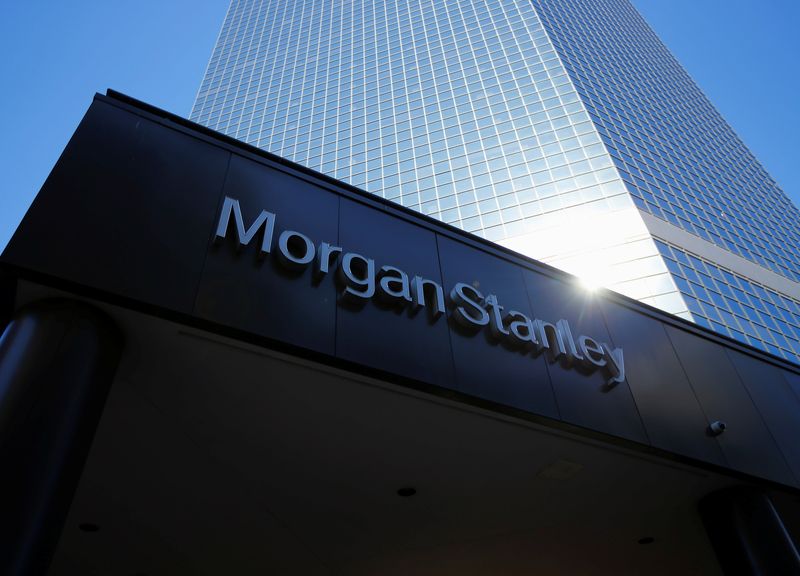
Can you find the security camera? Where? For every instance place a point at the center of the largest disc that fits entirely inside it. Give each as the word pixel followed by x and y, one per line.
pixel 716 428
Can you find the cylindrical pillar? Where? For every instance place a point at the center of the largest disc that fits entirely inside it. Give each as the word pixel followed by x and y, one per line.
pixel 57 361
pixel 747 533
pixel 8 290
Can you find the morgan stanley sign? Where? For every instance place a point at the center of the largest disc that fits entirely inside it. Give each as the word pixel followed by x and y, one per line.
pixel 360 279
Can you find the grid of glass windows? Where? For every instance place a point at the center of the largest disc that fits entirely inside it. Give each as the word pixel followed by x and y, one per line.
pixel 461 110
pixel 733 305
pixel 679 158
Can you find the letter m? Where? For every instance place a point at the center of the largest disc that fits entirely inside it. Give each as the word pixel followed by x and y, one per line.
pixel 243 237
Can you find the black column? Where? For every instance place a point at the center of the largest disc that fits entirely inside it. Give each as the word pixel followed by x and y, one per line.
pixel 57 361
pixel 8 290
pixel 747 533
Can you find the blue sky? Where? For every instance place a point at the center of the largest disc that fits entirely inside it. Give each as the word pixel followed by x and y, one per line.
pixel 56 55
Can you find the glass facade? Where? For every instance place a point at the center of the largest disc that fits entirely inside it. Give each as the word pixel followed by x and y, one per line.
pixel 559 128
pixel 678 157
pixel 735 305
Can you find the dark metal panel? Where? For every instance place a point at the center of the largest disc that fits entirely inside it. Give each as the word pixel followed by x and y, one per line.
pixel 128 209
pixel 376 331
pixel 483 367
pixel 746 442
pixel 584 398
pixel 793 378
pixel 776 401
pixel 670 411
pixel 239 288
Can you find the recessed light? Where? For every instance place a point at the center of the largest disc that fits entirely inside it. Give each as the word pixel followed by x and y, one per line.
pixel 560 470
pixel 406 492
pixel 646 540
pixel 88 527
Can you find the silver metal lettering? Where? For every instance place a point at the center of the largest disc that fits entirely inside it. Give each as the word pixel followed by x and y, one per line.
pixel 472 311
pixel 324 257
pixel 476 316
pixel 394 285
pixel 496 327
pixel 554 343
pixel 418 289
pixel 243 237
pixel 357 273
pixel 295 250
pixel 616 364
pixel 594 352
pixel 566 333
pixel 521 328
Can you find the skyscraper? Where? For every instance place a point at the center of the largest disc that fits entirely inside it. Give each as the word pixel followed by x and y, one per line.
pixel 563 129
